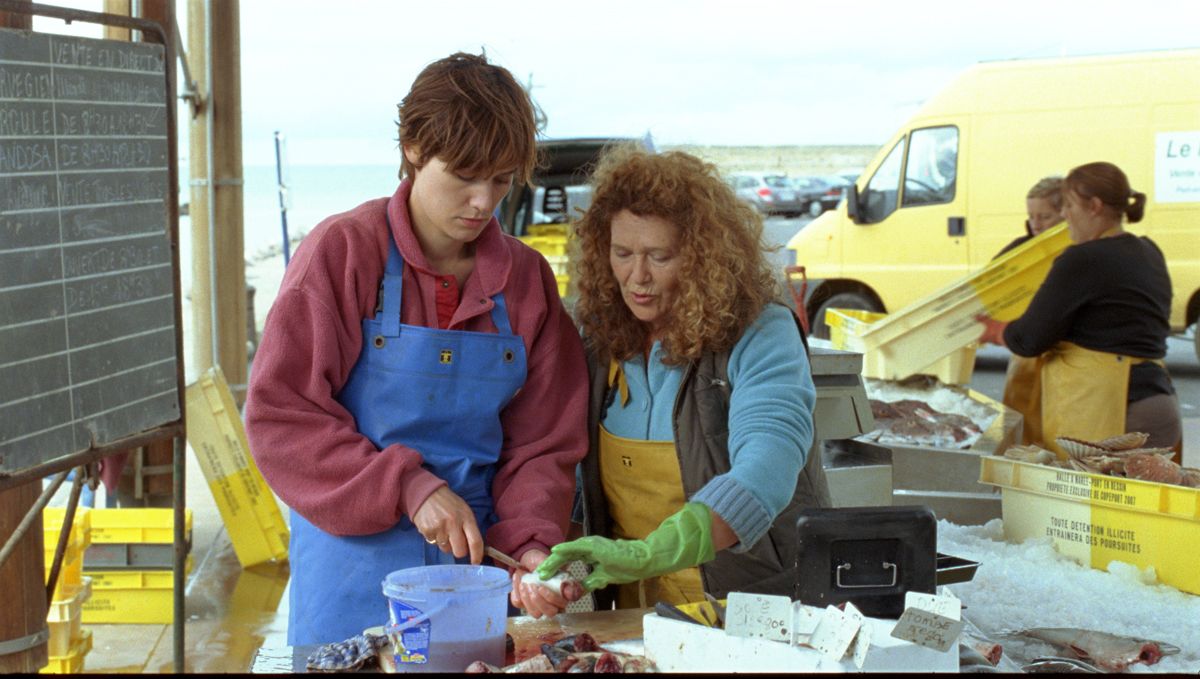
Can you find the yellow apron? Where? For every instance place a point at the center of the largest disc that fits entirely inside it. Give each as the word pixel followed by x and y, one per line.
pixel 643 486
pixel 1023 393
pixel 1084 394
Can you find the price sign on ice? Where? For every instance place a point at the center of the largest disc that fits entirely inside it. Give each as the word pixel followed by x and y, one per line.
pixel 761 616
pixel 927 629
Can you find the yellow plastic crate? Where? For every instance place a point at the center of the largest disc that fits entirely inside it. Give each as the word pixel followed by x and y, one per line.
pixel 555 229
pixel 214 429
pixel 69 576
pixel 848 326
pixel 135 524
pixel 72 662
pixel 564 284
pixel 64 618
pixel 912 338
pixel 1096 519
pixel 553 245
pixel 132 597
pixel 558 264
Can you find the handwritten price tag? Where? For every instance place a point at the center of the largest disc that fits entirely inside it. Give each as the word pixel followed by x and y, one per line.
pixel 947 606
pixel 836 630
pixel 761 616
pixel 804 622
pixel 927 629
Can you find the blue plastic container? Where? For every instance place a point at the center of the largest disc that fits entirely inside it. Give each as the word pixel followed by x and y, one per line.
pixel 443 618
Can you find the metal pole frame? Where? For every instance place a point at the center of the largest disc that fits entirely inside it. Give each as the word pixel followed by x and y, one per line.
pixel 171 430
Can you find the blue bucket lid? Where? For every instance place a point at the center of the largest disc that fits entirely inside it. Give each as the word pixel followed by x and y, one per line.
pixel 409 583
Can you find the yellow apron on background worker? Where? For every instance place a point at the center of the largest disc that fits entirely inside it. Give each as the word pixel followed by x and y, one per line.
pixel 1023 393
pixel 1084 394
pixel 643 486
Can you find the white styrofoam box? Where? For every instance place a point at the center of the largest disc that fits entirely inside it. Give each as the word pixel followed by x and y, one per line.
pixel 676 646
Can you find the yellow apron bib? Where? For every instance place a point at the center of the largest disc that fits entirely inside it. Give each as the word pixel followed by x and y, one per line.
pixel 1084 394
pixel 643 486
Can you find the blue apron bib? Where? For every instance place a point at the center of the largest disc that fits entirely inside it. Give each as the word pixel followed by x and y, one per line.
pixel 439 392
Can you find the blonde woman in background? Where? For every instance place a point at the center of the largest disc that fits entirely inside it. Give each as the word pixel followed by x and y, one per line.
pixel 1043 207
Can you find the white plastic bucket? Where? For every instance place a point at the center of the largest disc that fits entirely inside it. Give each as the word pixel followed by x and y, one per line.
pixel 443 618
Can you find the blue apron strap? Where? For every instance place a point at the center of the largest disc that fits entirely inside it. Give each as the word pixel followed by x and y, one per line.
pixel 500 315
pixel 392 289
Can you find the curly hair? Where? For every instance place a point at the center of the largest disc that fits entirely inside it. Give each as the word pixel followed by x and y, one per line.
pixel 725 278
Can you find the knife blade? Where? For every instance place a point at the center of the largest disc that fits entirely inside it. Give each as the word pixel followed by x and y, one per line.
pixel 503 558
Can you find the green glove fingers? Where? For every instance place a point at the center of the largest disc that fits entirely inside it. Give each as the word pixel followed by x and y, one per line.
pixel 682 540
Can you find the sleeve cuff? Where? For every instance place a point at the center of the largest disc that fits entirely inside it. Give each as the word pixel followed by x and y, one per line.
pixel 748 518
pixel 416 485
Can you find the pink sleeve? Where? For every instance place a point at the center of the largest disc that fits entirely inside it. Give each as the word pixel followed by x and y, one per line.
pixel 545 430
pixel 304 441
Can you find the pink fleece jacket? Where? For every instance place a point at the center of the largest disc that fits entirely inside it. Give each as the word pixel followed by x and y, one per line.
pixel 306 444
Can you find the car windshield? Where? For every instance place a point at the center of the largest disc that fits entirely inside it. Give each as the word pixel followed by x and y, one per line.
pixel 776 182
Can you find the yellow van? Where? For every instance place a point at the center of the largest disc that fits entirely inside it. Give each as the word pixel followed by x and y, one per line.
pixel 947 192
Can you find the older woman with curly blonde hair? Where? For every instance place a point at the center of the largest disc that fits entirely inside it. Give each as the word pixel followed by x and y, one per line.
pixel 701 398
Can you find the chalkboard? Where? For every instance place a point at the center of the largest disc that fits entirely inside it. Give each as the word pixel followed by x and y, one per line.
pixel 87 293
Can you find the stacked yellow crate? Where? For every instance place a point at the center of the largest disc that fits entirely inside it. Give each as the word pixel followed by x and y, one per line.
pixel 552 241
pixel 68 642
pixel 130 563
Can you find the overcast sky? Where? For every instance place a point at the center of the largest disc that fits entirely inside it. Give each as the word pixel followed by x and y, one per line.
pixel 329 74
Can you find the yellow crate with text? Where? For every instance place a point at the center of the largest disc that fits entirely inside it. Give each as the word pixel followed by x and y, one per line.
pixel 64 617
pixel 72 662
pixel 132 597
pixel 215 431
pixel 136 524
pixel 847 328
pixel 80 536
pixel 914 337
pixel 1096 519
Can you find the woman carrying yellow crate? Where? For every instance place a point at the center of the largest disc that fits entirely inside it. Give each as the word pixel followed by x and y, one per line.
pixel 1098 324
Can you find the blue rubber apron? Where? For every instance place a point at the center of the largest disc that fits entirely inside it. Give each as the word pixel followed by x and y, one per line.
pixel 439 392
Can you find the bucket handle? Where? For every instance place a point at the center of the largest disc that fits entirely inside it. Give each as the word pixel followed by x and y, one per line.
pixel 417 620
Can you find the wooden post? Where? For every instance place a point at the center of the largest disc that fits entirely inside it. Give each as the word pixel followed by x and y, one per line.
pixel 17 19
pixel 22 582
pixel 122 7
pixel 219 117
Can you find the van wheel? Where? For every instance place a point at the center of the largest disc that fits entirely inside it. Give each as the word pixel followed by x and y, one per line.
pixel 842 300
pixel 815 209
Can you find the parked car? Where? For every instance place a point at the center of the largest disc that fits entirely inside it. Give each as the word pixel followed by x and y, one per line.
pixel 769 193
pixel 820 193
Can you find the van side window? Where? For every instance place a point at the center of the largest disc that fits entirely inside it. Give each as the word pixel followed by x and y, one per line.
pixel 879 197
pixel 932 167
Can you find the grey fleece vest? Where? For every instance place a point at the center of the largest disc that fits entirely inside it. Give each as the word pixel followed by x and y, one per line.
pixel 701 425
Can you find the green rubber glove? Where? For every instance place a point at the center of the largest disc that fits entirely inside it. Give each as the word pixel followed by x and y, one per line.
pixel 681 541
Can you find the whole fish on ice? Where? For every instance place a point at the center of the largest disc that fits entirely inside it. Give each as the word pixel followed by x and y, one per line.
pixel 1111 652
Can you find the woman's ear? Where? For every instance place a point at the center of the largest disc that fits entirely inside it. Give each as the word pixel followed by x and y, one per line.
pixel 413 155
pixel 1095 205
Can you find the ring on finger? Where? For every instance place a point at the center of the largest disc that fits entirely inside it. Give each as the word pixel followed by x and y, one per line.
pixel 432 541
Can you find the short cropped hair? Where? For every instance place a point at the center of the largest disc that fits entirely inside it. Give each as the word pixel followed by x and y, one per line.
pixel 725 280
pixel 1048 188
pixel 472 115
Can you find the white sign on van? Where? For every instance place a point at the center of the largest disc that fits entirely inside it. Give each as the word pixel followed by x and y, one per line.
pixel 1177 167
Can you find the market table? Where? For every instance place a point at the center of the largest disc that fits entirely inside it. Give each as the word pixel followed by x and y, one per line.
pixel 528 636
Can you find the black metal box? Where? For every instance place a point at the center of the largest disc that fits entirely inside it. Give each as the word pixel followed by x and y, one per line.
pixel 869 556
